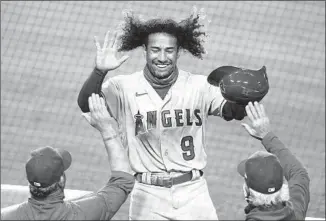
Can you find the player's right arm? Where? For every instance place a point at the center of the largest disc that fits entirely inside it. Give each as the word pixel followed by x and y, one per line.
pixel 106 61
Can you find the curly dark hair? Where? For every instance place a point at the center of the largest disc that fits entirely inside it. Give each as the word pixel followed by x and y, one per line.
pixel 136 32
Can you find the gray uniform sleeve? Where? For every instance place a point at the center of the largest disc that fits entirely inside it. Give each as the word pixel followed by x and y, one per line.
pixel 294 172
pixel 104 204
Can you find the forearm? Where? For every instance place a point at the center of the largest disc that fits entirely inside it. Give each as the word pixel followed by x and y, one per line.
pixel 104 204
pixel 92 85
pixel 291 165
pixel 116 191
pixel 117 154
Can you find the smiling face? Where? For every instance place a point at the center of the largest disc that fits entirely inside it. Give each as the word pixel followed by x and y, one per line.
pixel 161 54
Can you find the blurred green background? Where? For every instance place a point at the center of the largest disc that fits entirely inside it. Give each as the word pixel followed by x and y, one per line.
pixel 47 52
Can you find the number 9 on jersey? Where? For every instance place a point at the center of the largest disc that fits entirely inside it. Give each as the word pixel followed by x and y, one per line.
pixel 187 145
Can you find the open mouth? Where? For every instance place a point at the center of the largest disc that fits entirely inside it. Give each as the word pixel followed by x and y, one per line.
pixel 162 65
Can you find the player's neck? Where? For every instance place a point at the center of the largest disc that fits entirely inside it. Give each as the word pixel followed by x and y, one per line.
pixel 160 83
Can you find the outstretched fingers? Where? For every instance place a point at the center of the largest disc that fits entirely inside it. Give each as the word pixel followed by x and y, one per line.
pixel 114 40
pixel 258 109
pixel 106 40
pixel 90 104
pixel 253 110
pixel 103 105
pixel 262 110
pixel 97 101
pixel 97 43
pixel 249 113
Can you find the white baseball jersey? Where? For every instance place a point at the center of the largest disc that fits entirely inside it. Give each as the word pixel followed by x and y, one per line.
pixel 163 135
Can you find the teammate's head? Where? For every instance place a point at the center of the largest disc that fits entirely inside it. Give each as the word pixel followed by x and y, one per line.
pixel 166 33
pixel 41 193
pixel 255 198
pixel 264 182
pixel 45 170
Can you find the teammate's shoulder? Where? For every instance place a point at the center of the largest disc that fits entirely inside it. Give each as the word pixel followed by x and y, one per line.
pixel 12 212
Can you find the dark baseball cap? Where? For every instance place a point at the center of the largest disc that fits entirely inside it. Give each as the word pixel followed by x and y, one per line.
pixel 46 166
pixel 262 172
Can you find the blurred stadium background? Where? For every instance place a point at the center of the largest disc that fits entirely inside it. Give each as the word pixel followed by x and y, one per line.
pixel 47 52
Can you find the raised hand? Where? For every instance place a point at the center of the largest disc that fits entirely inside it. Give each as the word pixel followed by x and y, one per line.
pixel 260 125
pixel 106 56
pixel 99 116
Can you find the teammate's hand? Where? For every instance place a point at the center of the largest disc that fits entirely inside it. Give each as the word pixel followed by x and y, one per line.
pixel 260 125
pixel 99 116
pixel 106 57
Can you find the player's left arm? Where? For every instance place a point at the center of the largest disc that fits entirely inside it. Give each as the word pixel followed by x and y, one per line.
pixel 218 106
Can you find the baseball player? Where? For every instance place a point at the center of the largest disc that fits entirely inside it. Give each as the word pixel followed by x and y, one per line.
pixel 162 113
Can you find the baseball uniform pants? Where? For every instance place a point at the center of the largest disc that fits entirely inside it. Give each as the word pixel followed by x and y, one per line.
pixel 187 201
